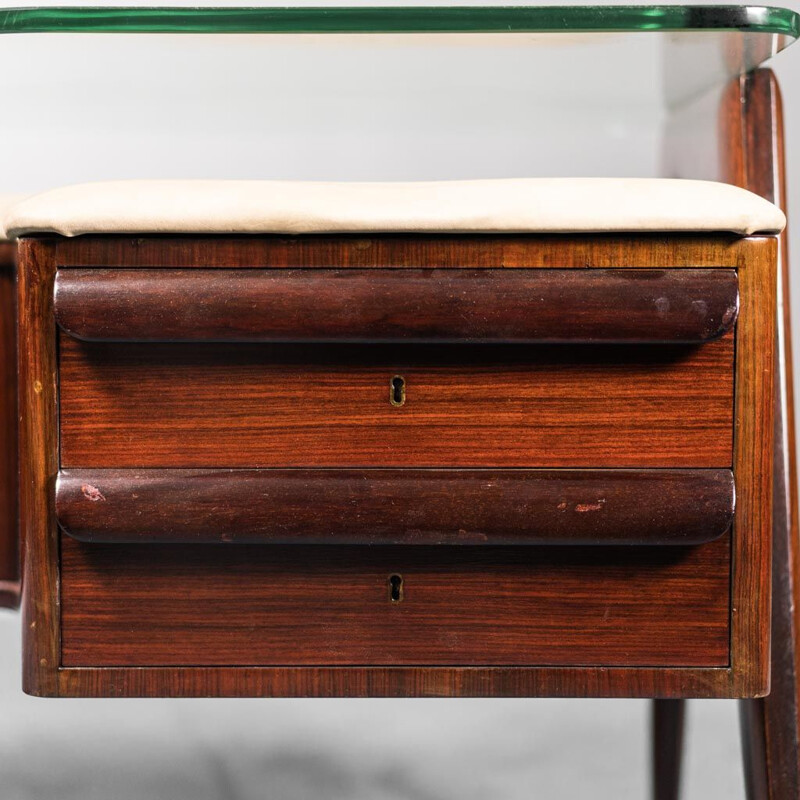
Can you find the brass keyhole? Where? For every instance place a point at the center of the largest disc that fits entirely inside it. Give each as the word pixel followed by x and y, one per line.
pixel 397 390
pixel 395 588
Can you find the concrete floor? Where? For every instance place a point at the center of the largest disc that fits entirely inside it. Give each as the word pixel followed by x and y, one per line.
pixel 343 749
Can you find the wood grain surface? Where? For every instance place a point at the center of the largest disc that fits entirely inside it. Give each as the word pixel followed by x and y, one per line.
pixel 192 620
pixel 393 305
pixel 666 731
pixel 558 251
pixel 748 152
pixel 393 507
pixel 753 116
pixel 247 405
pixel 409 681
pixel 38 467
pixel 9 522
pixel 146 605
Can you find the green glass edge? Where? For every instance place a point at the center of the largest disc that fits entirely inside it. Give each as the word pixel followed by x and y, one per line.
pixel 400 19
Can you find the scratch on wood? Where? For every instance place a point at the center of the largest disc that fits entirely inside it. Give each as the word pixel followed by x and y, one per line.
pixel 92 493
pixel 582 508
pixel 662 305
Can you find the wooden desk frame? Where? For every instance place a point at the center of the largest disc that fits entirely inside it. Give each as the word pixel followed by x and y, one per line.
pixel 751 141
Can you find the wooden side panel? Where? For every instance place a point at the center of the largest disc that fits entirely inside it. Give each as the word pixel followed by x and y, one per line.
pixel 146 605
pixel 160 405
pixel 38 468
pixel 736 135
pixel 9 528
pixel 752 468
pixel 746 155
pixel 771 727
pixel 745 113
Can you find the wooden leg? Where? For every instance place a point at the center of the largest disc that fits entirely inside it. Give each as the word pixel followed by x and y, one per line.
pixel 770 726
pixel 752 156
pixel 668 718
pixel 770 730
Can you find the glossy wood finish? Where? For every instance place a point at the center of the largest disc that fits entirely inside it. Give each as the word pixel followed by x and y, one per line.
pixel 118 577
pixel 391 305
pixel 38 465
pixel 155 605
pixel 248 405
pixel 9 594
pixel 753 465
pixel 771 727
pixel 393 507
pixel 748 152
pixel 612 251
pixel 9 544
pixel 667 727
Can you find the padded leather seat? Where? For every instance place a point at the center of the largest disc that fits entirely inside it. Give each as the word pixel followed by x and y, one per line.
pixel 533 205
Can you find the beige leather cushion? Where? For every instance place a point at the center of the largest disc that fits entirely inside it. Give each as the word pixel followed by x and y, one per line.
pixel 7 201
pixel 485 206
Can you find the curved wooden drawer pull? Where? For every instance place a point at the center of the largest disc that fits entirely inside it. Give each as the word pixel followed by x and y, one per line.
pixel 392 305
pixel 394 507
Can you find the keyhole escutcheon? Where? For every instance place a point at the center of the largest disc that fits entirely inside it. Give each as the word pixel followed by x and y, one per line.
pixel 397 390
pixel 395 588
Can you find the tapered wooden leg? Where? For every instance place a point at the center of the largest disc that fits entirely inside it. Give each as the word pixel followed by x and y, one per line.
pixel 770 726
pixel 668 717
pixel 751 155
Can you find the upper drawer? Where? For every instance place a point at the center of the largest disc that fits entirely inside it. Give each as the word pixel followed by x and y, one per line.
pixel 399 368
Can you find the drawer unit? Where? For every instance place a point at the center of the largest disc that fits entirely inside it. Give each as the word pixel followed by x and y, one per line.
pixel 419 468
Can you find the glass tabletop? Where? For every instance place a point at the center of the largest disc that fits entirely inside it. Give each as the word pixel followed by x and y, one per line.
pixel 362 92
pixel 781 22
pixel 701 46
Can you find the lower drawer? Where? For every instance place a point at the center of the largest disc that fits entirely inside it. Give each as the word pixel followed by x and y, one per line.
pixel 176 604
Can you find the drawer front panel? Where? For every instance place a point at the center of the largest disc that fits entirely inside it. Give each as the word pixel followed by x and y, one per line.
pixel 148 605
pixel 251 405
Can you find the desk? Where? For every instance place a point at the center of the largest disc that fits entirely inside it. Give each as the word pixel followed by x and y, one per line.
pixel 421 614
